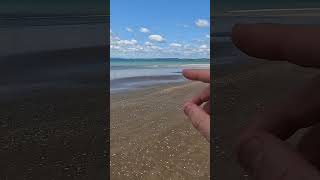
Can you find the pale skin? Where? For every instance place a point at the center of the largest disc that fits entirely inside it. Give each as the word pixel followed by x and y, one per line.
pixel 262 148
pixel 198 115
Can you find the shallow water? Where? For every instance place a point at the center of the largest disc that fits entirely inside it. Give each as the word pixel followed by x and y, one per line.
pixel 128 74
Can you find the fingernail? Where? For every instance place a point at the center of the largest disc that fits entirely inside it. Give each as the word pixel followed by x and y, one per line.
pixel 250 154
pixel 184 71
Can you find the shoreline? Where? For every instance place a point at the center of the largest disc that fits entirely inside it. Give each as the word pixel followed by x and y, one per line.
pixel 127 85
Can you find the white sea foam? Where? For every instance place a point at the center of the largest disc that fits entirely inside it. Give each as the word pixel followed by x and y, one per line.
pixel 196 65
pixel 126 73
pixel 180 66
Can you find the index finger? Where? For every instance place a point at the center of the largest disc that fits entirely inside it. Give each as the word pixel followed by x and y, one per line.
pixel 197 75
pixel 298 44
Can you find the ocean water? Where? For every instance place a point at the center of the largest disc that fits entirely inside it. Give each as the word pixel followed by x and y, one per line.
pixel 129 74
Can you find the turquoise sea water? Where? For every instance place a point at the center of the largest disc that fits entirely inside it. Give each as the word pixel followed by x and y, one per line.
pixel 136 73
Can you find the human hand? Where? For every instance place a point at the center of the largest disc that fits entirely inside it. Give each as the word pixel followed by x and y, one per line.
pixel 199 116
pixel 262 149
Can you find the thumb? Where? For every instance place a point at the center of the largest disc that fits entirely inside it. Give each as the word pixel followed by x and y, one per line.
pixel 199 118
pixel 266 157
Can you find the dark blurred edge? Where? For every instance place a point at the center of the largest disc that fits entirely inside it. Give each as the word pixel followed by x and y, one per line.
pixel 54 96
pixel 212 154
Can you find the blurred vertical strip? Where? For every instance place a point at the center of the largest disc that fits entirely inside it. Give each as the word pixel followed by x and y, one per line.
pixel 212 117
pixel 54 89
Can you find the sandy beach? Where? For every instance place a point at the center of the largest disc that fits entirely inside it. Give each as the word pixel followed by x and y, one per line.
pixel 152 139
pixel 53 115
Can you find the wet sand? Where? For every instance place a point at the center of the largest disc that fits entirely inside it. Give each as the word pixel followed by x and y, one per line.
pixel 152 139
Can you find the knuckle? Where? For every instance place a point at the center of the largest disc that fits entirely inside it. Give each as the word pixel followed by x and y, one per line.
pixel 191 111
pixel 197 123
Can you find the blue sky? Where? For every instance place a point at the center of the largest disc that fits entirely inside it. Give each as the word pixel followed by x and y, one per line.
pixel 160 28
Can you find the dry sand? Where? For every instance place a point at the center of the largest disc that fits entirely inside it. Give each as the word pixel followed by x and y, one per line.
pixel 152 139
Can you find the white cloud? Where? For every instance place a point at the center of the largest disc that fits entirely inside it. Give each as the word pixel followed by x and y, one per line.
pixel 175 45
pixel 156 48
pixel 116 41
pixel 202 23
pixel 114 47
pixel 207 36
pixel 114 38
pixel 144 30
pixel 129 29
pixel 203 46
pixel 127 42
pixel 156 38
pixel 132 48
pixel 148 43
pixel 186 45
